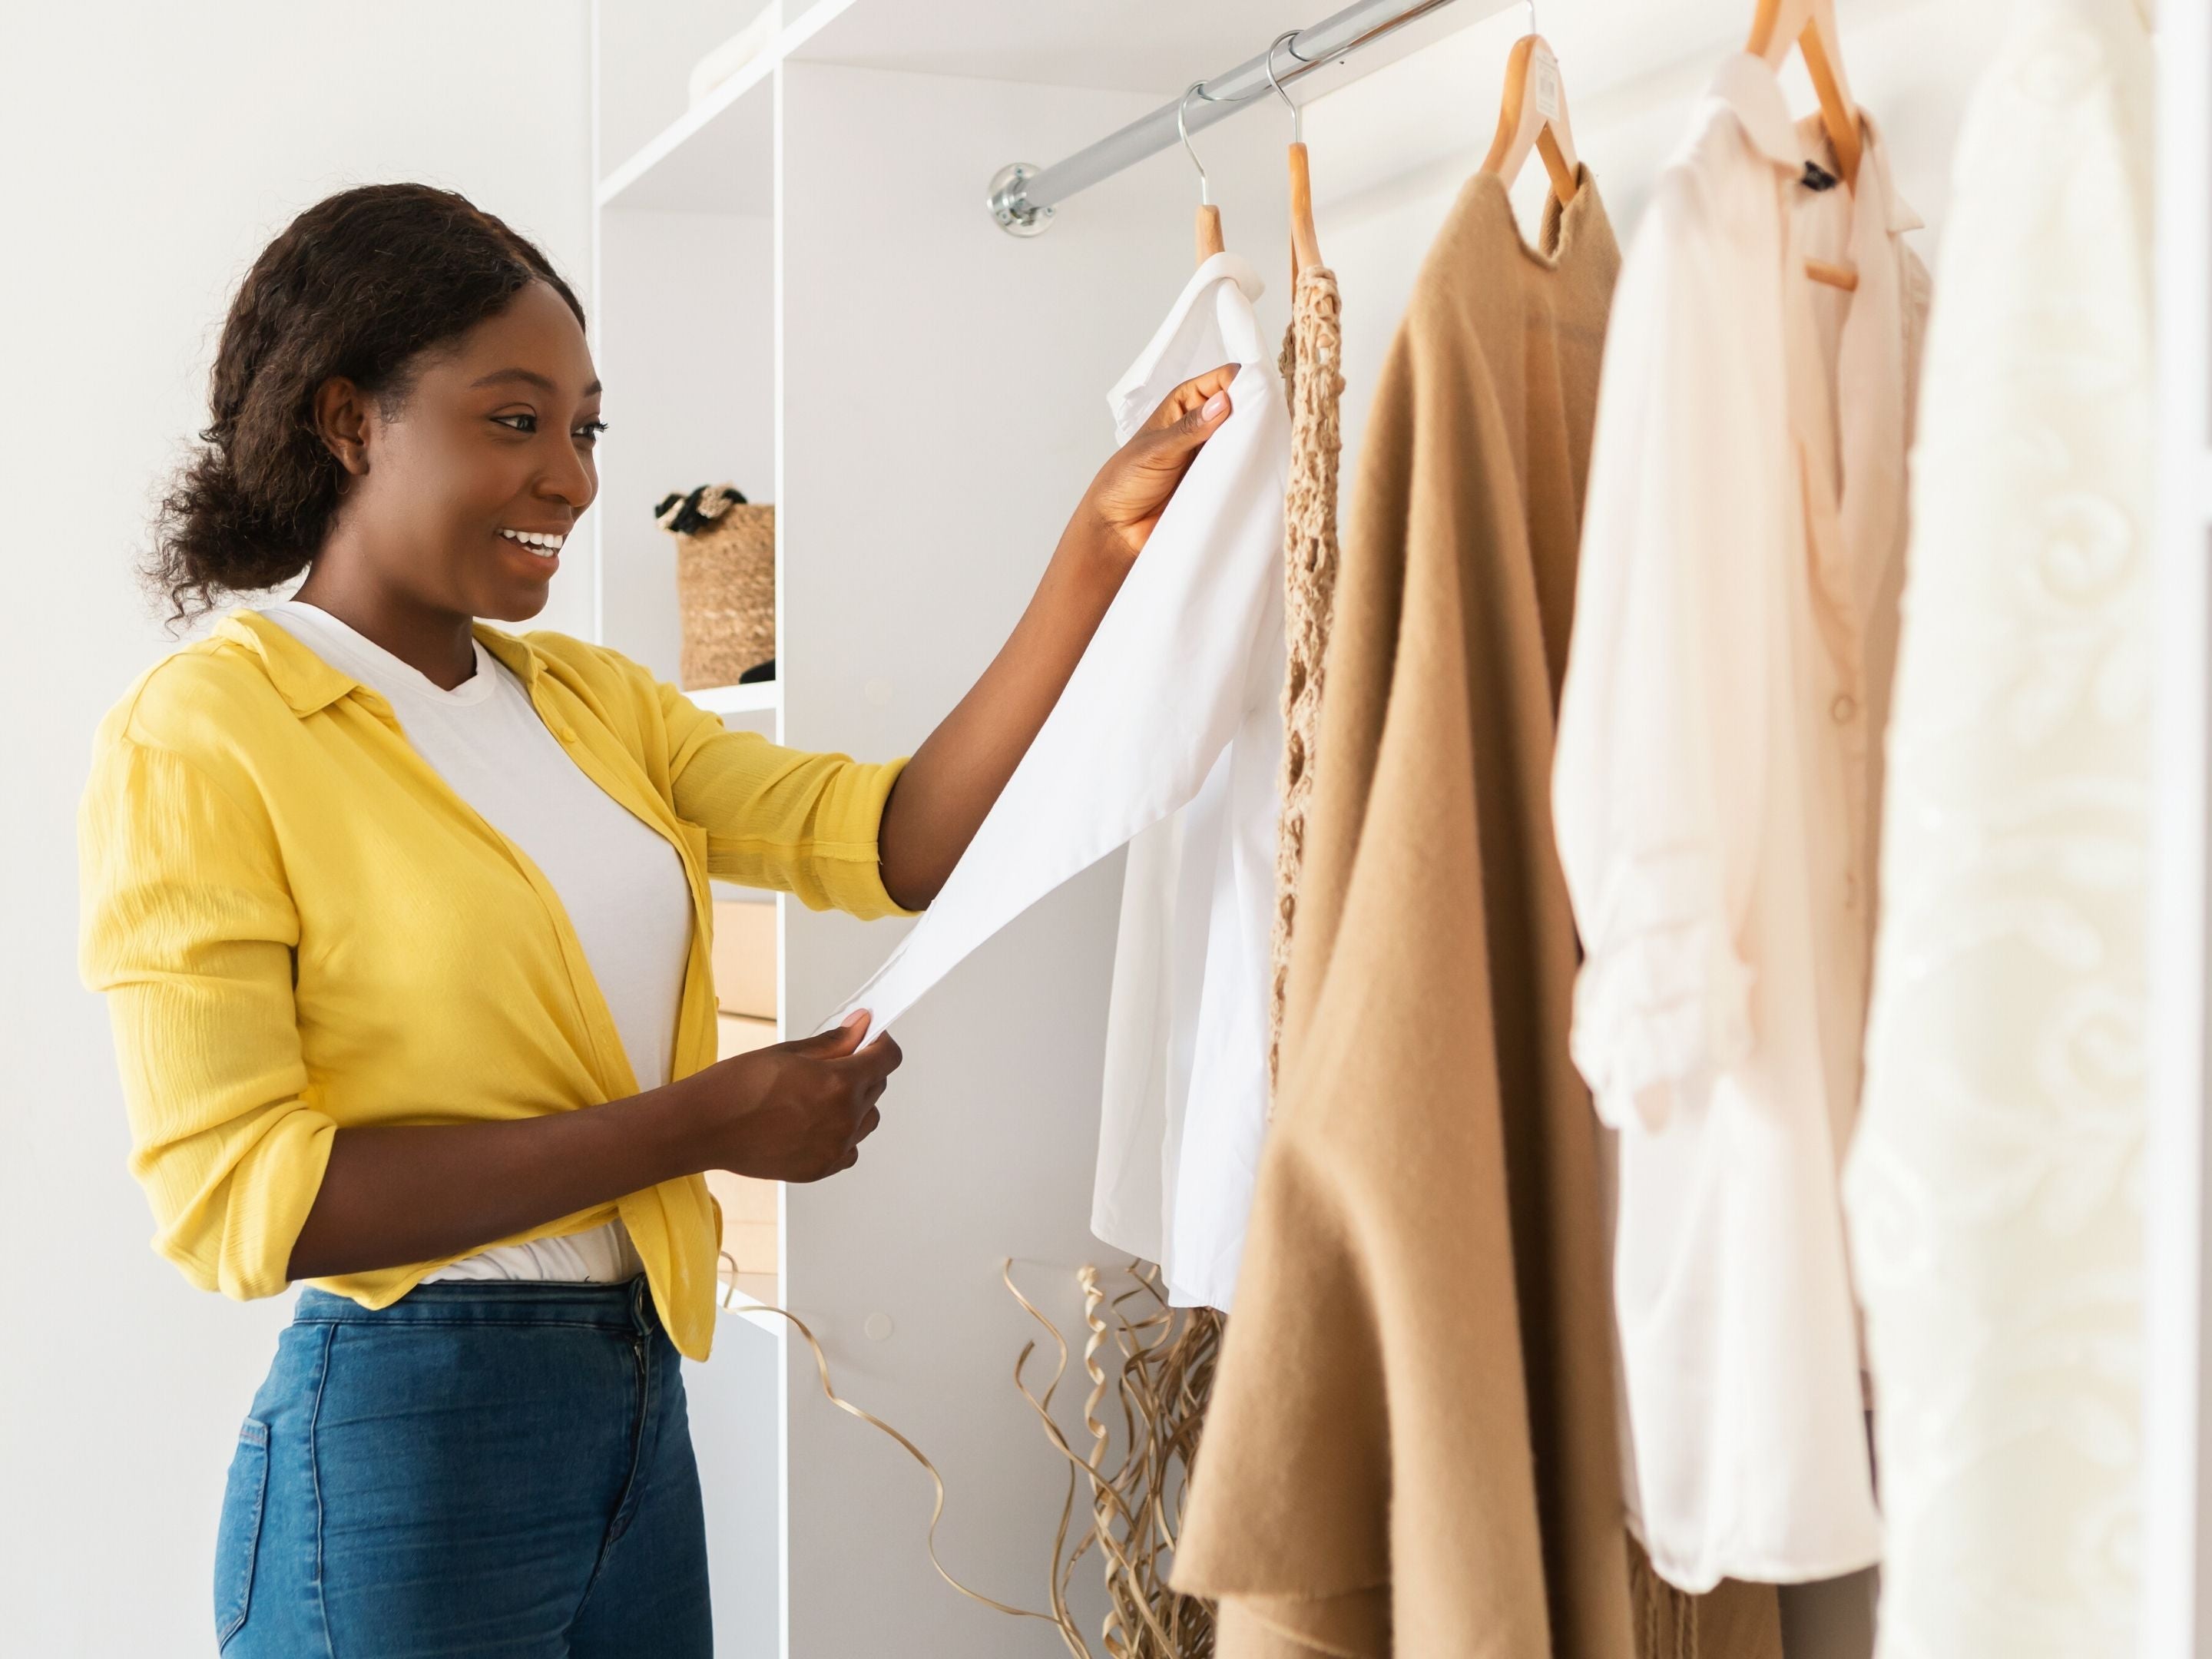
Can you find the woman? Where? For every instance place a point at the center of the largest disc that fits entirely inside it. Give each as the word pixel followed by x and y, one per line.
pixel 402 922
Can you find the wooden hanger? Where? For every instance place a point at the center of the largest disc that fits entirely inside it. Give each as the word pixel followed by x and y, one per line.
pixel 1305 240
pixel 1533 115
pixel 1209 238
pixel 1810 26
pixel 1208 227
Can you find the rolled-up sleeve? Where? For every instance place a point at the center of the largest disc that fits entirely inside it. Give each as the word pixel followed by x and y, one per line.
pixel 1664 738
pixel 802 824
pixel 188 929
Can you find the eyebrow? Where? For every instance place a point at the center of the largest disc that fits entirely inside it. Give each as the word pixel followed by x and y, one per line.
pixel 530 376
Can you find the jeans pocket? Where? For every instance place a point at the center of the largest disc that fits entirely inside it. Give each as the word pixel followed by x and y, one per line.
pixel 238 1536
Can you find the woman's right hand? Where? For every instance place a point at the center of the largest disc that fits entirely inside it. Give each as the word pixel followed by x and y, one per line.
pixel 796 1111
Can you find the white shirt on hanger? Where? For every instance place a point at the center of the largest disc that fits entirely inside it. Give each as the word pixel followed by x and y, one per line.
pixel 1184 1095
pixel 1715 795
pixel 622 884
pixel 1174 709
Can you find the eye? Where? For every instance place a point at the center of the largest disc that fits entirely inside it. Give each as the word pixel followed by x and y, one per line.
pixel 589 432
pixel 530 422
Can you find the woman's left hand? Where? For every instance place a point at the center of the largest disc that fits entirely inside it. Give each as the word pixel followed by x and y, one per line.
pixel 1127 498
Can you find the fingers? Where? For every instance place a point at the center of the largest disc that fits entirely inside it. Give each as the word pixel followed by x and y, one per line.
pixel 835 1042
pixel 1191 399
pixel 1195 410
pixel 881 1057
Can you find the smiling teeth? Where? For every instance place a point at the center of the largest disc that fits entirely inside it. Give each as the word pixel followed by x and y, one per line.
pixel 535 542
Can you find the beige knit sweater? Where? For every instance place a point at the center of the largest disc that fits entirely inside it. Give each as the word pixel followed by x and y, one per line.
pixel 1411 1449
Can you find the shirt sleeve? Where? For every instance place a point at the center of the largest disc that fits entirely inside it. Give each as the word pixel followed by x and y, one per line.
pixel 1663 750
pixel 188 927
pixel 784 819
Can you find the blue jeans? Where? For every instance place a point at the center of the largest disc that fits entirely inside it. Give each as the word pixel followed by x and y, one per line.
pixel 498 1469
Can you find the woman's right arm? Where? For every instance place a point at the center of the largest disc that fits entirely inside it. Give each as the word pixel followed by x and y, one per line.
pixel 397 1194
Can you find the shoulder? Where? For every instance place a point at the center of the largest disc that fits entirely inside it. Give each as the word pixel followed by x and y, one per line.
pixel 204 700
pixel 179 761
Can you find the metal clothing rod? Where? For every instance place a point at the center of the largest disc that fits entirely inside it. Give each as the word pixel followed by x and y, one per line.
pixel 1023 197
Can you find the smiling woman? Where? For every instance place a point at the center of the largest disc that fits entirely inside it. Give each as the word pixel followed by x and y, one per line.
pixel 404 924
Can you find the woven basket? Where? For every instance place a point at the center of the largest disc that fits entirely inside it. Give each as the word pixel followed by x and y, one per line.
pixel 725 582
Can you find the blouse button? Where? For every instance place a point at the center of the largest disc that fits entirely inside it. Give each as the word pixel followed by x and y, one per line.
pixel 1850 892
pixel 1843 708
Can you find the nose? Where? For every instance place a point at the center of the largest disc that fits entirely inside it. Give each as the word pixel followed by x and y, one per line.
pixel 566 478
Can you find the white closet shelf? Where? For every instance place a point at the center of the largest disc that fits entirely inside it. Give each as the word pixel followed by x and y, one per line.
pixel 760 697
pixel 718 156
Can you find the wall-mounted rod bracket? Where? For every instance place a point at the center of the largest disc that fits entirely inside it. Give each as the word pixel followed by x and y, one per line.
pixel 1014 214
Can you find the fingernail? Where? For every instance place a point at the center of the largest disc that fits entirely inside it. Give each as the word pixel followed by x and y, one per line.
pixel 858 1017
pixel 1214 405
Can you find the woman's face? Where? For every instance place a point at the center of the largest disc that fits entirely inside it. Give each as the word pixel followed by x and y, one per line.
pixel 494 444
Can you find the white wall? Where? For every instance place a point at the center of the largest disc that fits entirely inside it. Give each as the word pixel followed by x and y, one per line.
pixel 153 148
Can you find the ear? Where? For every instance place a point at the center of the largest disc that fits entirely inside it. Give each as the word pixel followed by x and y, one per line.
pixel 343 417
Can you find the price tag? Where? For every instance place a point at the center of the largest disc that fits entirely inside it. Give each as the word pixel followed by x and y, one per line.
pixel 1544 86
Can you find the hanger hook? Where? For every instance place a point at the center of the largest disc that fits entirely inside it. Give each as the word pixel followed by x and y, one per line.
pixel 1298 115
pixel 1182 132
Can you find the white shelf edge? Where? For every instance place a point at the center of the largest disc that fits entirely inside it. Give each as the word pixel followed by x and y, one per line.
pixel 702 115
pixel 760 697
pixel 750 1308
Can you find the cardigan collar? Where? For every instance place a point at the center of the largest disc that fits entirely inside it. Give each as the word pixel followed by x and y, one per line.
pixel 307 683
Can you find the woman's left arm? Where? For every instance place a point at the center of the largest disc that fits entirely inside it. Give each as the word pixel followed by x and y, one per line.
pixel 947 789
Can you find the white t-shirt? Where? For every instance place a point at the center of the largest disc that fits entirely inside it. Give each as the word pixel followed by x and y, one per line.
pixel 622 884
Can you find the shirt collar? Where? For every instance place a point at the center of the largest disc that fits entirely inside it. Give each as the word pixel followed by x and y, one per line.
pixel 309 684
pixel 1748 86
pixel 516 653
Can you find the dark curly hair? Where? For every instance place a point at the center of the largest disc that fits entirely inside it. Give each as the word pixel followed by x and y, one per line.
pixel 360 284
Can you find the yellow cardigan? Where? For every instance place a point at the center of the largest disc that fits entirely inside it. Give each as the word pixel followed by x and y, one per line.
pixel 300 927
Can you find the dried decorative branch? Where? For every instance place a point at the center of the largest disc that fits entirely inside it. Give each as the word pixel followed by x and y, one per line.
pixel 1162 1379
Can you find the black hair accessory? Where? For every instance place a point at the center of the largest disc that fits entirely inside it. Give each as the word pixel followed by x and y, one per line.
pixel 1819 178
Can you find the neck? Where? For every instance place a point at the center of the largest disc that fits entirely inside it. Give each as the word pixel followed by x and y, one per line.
pixel 435 642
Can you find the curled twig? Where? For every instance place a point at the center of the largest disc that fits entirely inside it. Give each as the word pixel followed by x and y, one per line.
pixel 1161 1377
